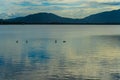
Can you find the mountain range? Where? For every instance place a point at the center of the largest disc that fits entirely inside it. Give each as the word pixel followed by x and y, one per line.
pixel 108 17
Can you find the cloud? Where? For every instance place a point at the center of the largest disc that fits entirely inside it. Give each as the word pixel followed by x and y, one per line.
pixel 111 3
pixel 26 3
pixel 65 8
pixel 106 2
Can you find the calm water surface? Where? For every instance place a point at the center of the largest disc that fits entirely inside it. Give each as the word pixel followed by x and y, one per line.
pixel 59 52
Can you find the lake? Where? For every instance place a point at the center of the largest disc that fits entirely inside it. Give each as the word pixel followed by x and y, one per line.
pixel 59 52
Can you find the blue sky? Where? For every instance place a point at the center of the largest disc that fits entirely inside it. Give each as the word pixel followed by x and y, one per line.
pixel 65 8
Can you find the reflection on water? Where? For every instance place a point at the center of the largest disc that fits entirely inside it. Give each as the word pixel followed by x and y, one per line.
pixel 92 57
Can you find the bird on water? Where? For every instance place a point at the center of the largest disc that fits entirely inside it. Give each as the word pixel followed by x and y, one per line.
pixel 17 41
pixel 64 41
pixel 55 41
pixel 26 41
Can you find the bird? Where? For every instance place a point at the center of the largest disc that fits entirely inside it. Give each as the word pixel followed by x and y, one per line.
pixel 55 41
pixel 26 41
pixel 17 41
pixel 64 41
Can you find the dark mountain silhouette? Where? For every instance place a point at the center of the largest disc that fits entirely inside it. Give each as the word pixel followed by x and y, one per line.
pixel 1 20
pixel 42 18
pixel 108 17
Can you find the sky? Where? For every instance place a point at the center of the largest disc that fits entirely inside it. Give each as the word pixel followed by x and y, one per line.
pixel 64 8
